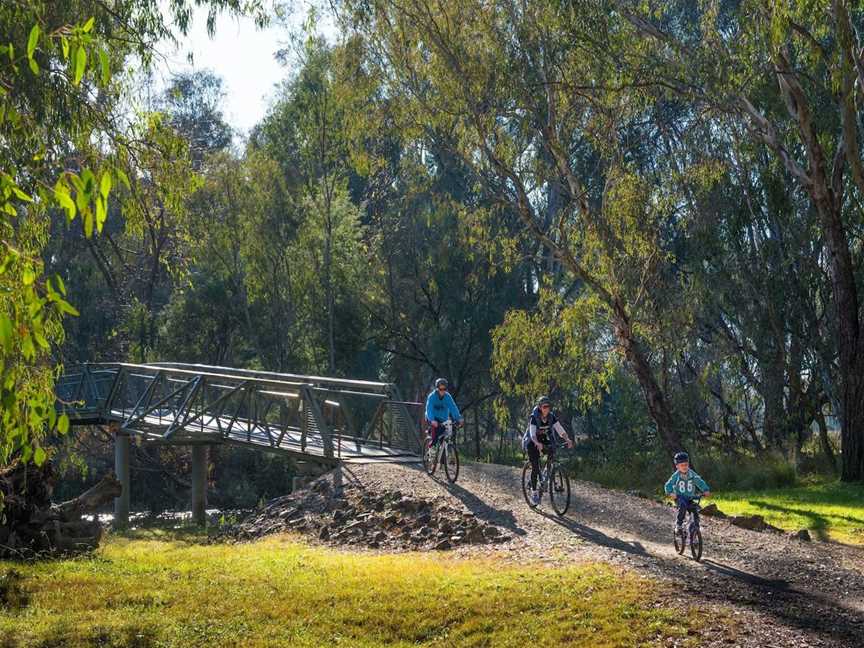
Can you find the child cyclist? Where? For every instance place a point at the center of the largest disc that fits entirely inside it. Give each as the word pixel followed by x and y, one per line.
pixel 543 426
pixel 684 486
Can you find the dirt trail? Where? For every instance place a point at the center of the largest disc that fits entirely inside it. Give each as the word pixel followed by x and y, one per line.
pixel 781 591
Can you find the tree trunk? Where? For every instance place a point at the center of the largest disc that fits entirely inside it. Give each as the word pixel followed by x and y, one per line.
pixel 825 442
pixel 477 432
pixel 32 526
pixel 658 405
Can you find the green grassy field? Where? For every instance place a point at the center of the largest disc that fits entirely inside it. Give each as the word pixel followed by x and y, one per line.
pixel 278 592
pixel 831 511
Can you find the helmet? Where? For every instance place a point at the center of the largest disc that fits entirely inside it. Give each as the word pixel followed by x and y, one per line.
pixel 681 457
pixel 439 382
pixel 544 400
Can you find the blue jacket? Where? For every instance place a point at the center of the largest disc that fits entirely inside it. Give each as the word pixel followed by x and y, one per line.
pixel 439 409
pixel 688 487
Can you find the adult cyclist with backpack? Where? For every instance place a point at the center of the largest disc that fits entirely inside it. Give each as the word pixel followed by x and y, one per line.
pixel 541 437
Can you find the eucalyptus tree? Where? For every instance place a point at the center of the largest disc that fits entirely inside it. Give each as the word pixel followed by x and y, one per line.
pixel 791 74
pixel 545 94
pixel 62 148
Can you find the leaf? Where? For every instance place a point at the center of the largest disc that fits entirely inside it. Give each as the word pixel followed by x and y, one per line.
pixel 61 194
pixel 101 213
pixel 106 67
pixel 64 42
pixel 88 222
pixel 39 456
pixel 60 285
pixel 34 66
pixel 80 64
pixel 123 178
pixel 23 196
pixel 33 41
pixel 41 340
pixel 5 332
pixel 66 307
pixel 28 277
pixel 63 424
pixel 89 24
pixel 105 184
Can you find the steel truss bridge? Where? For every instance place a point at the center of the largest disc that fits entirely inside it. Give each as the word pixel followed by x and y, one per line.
pixel 312 418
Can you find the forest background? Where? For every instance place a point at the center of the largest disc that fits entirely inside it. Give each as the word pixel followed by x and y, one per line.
pixel 650 211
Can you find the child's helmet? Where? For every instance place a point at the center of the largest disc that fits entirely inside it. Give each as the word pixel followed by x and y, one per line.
pixel 681 457
pixel 544 400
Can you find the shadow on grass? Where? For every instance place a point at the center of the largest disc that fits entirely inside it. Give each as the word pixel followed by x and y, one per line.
pixel 819 524
pixel 167 532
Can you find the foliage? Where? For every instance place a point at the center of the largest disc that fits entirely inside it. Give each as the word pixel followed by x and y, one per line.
pixel 276 591
pixel 830 510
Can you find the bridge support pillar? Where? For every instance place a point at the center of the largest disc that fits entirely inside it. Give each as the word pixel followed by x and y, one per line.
pixel 199 484
pixel 121 468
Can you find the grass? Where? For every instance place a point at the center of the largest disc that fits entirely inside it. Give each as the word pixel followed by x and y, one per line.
pixel 829 510
pixel 164 590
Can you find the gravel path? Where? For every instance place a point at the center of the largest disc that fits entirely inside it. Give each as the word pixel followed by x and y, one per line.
pixel 778 590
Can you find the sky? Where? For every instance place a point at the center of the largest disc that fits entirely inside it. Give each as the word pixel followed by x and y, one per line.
pixel 241 54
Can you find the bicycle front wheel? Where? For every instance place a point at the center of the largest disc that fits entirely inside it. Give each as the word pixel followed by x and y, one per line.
pixel 526 484
pixel 696 544
pixel 430 459
pixel 451 463
pixel 559 490
pixel 679 541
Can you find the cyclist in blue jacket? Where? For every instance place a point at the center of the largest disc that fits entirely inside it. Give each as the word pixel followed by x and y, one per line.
pixel 543 429
pixel 439 407
pixel 684 486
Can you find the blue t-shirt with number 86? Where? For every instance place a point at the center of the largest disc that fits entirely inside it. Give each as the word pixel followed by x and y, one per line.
pixel 687 486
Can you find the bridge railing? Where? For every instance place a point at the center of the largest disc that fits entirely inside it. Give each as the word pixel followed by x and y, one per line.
pixel 180 404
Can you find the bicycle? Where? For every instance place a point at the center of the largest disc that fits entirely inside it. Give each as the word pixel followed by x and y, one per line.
pixel 689 533
pixel 553 479
pixel 444 452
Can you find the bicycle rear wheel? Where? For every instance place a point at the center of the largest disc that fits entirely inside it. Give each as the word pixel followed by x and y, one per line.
pixel 451 462
pixel 526 484
pixel 696 544
pixel 559 490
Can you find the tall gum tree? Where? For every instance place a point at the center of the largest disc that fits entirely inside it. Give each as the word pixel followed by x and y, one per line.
pixel 533 95
pixel 793 74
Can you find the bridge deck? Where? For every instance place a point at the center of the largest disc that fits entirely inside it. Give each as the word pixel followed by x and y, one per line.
pixel 309 417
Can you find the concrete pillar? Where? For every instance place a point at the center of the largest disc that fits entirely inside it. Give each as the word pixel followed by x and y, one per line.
pixel 121 468
pixel 199 484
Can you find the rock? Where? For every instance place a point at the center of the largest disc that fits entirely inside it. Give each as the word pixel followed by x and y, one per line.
pixel 391 520
pixel 380 536
pixel 475 535
pixel 289 513
pixel 359 525
pixel 751 522
pixel 339 516
pixel 491 531
pixel 324 533
pixel 803 535
pixel 424 519
pixel 443 545
pixel 712 511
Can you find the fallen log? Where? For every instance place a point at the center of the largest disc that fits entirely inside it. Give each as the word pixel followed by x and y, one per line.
pixel 30 525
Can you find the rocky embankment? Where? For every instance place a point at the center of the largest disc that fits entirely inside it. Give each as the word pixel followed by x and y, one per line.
pixel 355 514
